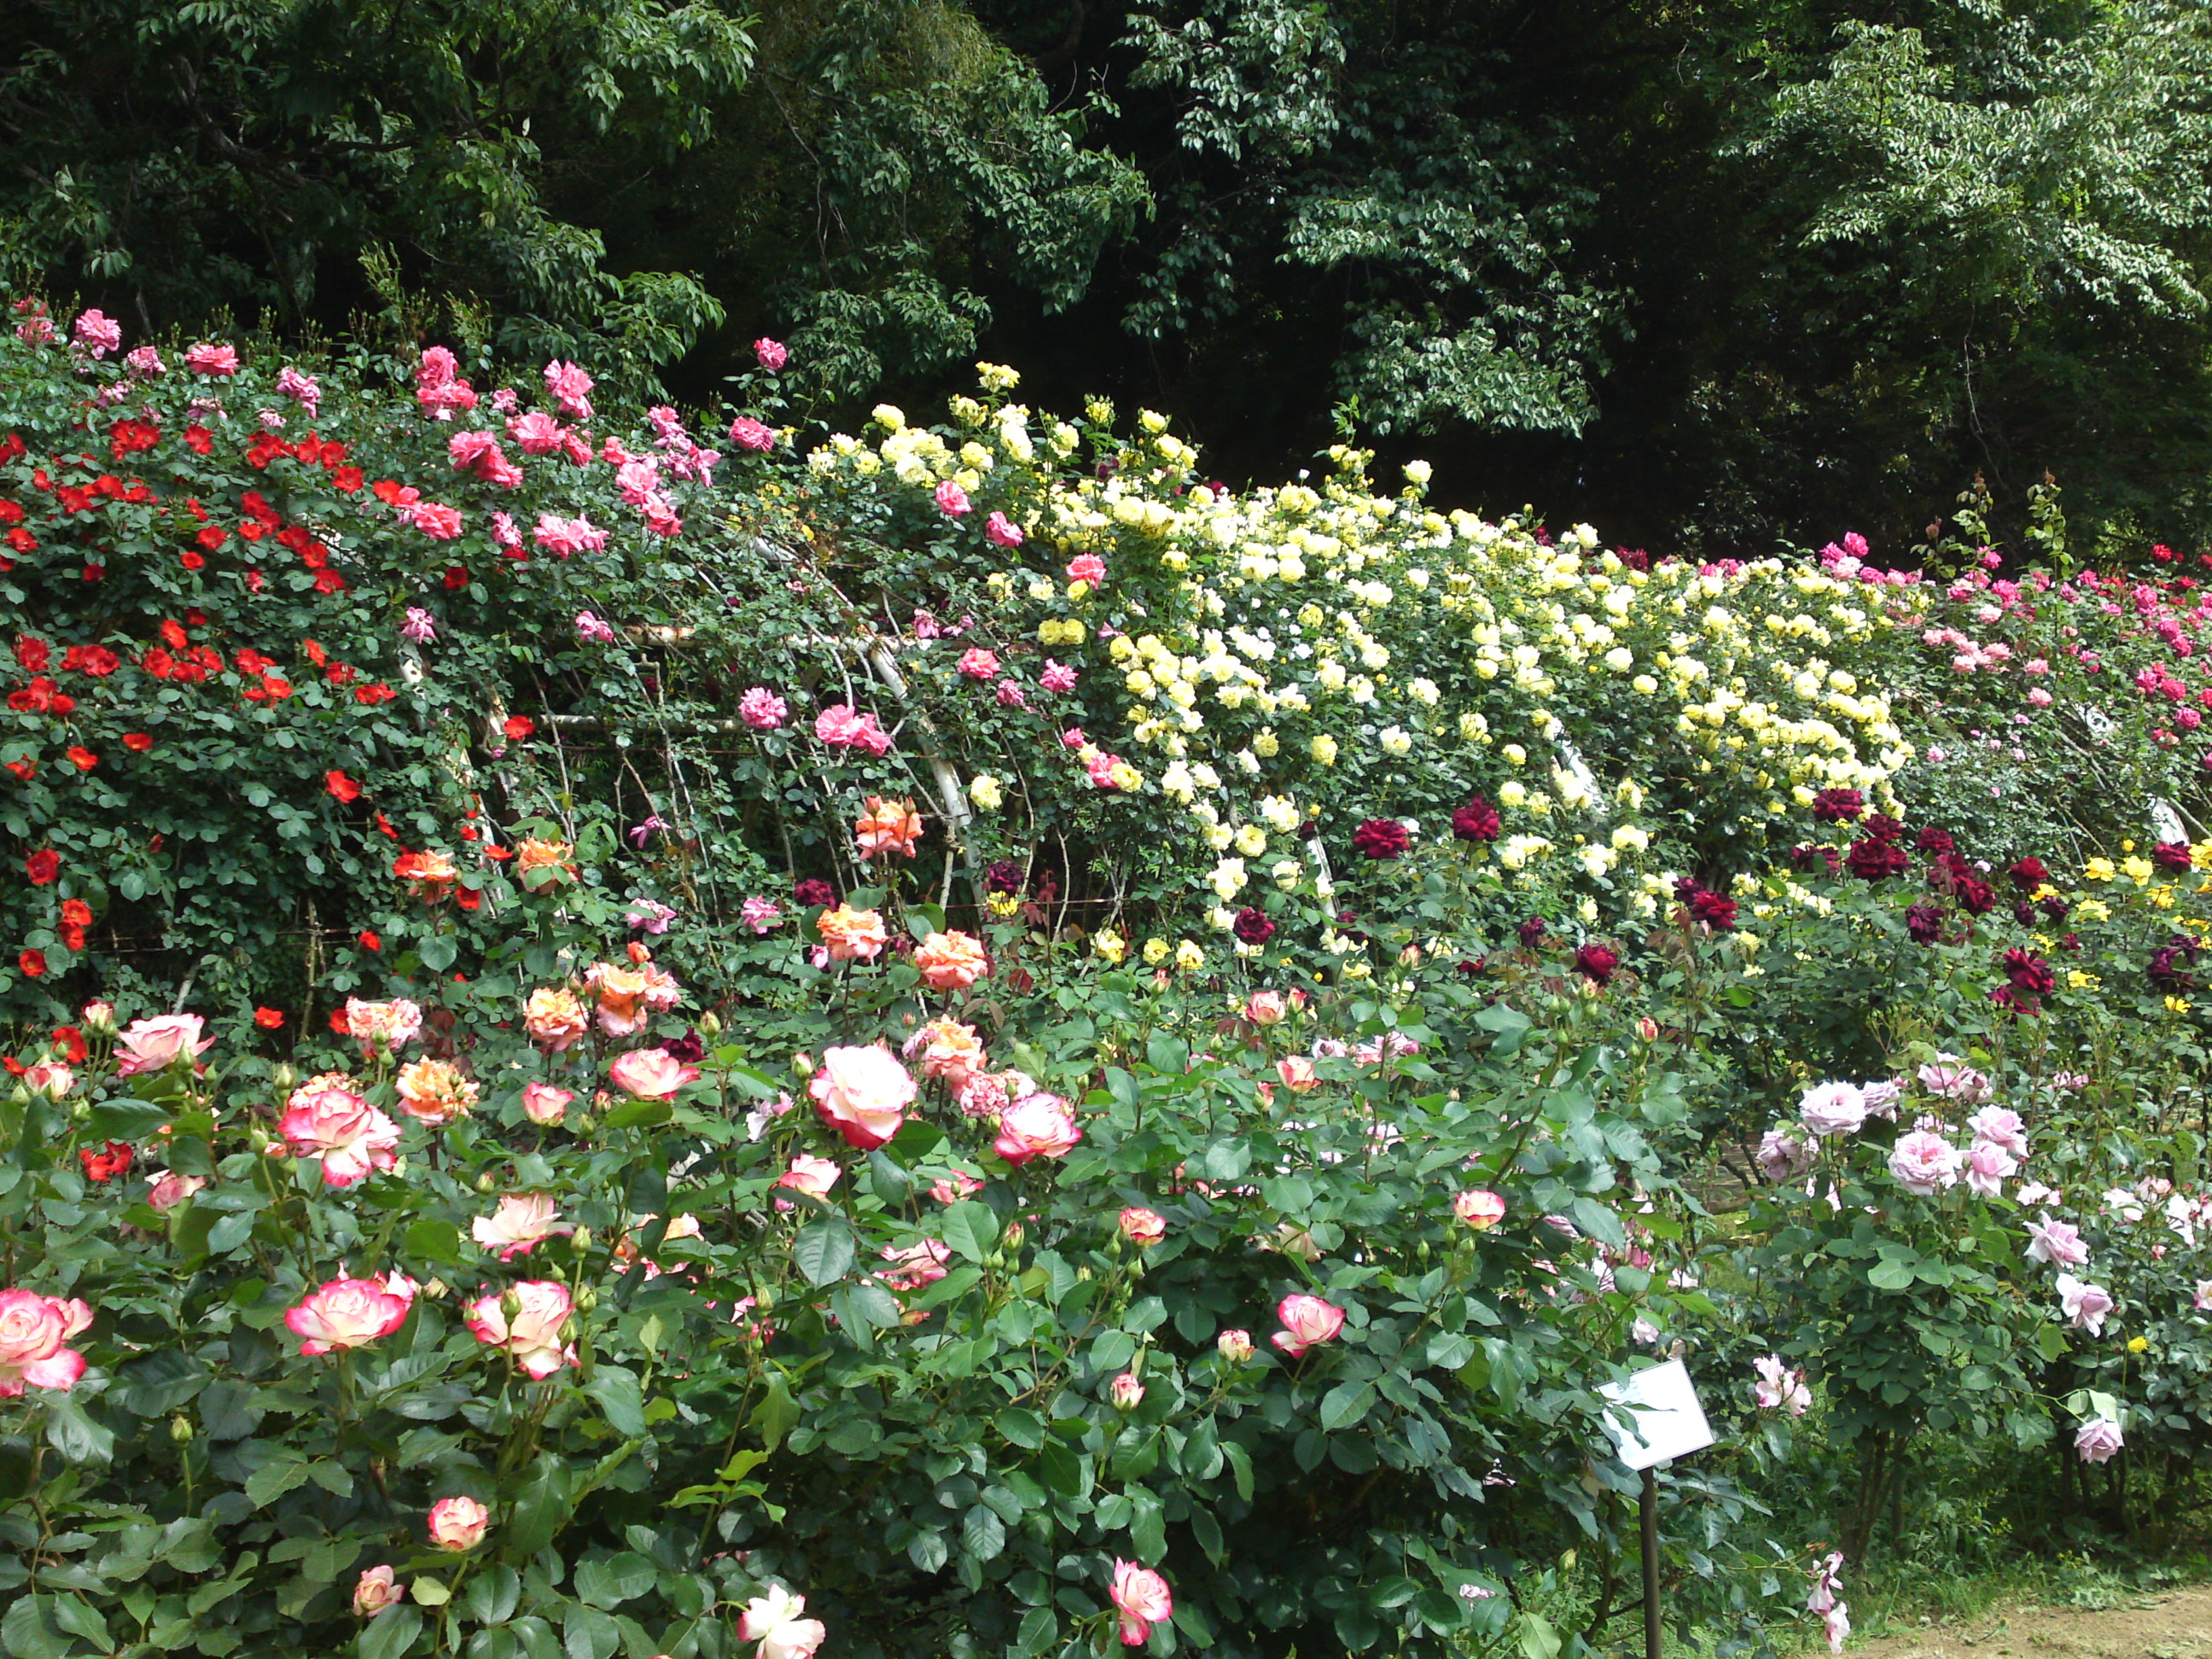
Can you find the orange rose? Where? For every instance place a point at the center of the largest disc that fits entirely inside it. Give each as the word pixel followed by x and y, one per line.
pixel 852 935
pixel 539 864
pixel 951 1053
pixel 432 873
pixel 435 1092
pixel 887 826
pixel 554 1018
pixel 951 961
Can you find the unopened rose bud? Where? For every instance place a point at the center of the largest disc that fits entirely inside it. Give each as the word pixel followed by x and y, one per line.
pixel 284 1078
pixel 1648 1029
pixel 1126 1392
pixel 802 1064
pixel 709 1026
pixel 436 1288
pixel 485 1182
pixel 588 1298
pixel 180 1429
pixel 100 1019
pixel 80 1111
pixel 580 1242
pixel 1235 1346
pixel 510 1304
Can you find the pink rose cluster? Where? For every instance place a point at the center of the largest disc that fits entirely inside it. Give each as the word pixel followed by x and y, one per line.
pixel 34 1334
pixel 840 726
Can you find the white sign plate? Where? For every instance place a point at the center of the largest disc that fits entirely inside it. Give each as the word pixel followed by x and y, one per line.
pixel 1655 1415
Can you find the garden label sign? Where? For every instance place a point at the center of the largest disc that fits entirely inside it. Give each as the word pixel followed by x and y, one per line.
pixel 1656 1416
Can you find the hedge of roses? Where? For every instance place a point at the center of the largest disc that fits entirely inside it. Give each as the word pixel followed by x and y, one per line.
pixel 973 1042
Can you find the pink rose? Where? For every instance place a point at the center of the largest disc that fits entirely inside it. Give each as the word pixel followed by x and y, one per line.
pixel 1125 1392
pixel 2098 1439
pixel 814 1176
pixel 1988 1165
pixel 959 1184
pixel 770 354
pixel 1036 1125
pixel 1924 1162
pixel 761 913
pixel 1267 1008
pixel 951 500
pixel 1779 1386
pixel 1141 1596
pixel 746 433
pixel 435 520
pixel 382 1026
pixel 1143 1226
pixel 1307 1321
pixel 374 1591
pixel 50 1077
pixel 1832 1109
pixel 762 709
pixel 570 388
pixel 2003 1125
pixel 1002 531
pixel 919 1264
pixel 542 1103
pixel 97 332
pixel 1086 568
pixel 773 1621
pixel 1235 1346
pixel 348 1313
pixel 33 1332
pixel 1297 1073
pixel 520 1222
pixel 862 1093
pixel 1480 1209
pixel 1783 1154
pixel 154 1045
pixel 651 1073
pixel 2085 1305
pixel 351 1135
pixel 457 1523
pixel 530 1334
pixel 1057 677
pixel 978 663
pixel 212 359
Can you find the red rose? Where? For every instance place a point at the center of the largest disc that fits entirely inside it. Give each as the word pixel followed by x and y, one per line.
pixel 108 1163
pixel 43 867
pixel 342 786
pixel 1381 838
pixel 1476 821
pixel 138 742
pixel 82 759
pixel 1597 962
pixel 369 940
pixel 1837 805
pixel 519 727
pixel 268 1019
pixel 33 963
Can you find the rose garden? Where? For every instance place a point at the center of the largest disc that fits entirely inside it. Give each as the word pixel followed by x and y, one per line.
pixel 666 1033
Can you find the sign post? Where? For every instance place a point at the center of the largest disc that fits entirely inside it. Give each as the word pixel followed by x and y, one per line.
pixel 1654 1416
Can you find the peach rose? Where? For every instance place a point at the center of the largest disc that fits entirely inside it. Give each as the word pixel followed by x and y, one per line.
pixel 531 1332
pixel 773 1621
pixel 431 874
pixel 862 1093
pixel 814 1176
pixel 1297 1073
pixel 621 994
pixel 545 1102
pixel 651 1073
pixel 951 961
pixel 887 827
pixel 434 1092
pixel 1036 1125
pixel 917 1265
pixel 170 1190
pixel 33 1332
pixel 1143 1226
pixel 50 1077
pixel 539 864
pixel 457 1523
pixel 154 1045
pixel 1267 1007
pixel 351 1136
pixel 521 1220
pixel 554 1018
pixel 348 1313
pixel 851 935
pixel 1481 1210
pixel 951 1053
pixel 1307 1322
pixel 1141 1597
pixel 374 1591
pixel 383 1026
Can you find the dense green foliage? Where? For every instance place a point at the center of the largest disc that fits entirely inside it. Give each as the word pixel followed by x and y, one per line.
pixel 1714 273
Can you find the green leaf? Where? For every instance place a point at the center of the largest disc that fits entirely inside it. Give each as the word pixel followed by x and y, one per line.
pixel 389 1633
pixel 73 1434
pixel 492 1593
pixel 1538 1640
pixel 1148 1526
pixel 541 1509
pixel 1239 1467
pixel 126 1120
pixel 610 1581
pixel 1891 1275
pixel 982 1534
pixel 970 1228
pixel 621 1398
pixel 777 1412
pixel 587 1633
pixel 823 1250
pixel 640 1114
pixel 1346 1403
pixel 433 1240
pixel 273 1479
pixel 30 1630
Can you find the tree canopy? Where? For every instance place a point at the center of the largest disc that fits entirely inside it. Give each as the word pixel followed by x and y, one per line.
pixel 1719 274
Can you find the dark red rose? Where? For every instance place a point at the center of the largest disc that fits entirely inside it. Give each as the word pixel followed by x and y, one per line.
pixel 1882 826
pixel 1932 839
pixel 2019 1001
pixel 1531 931
pixel 1470 966
pixel 1634 557
pixel 1381 838
pixel 1714 909
pixel 1476 821
pixel 1873 861
pixel 2170 855
pixel 1252 926
pixel 1597 962
pixel 1805 856
pixel 2024 913
pixel 813 891
pixel 2029 972
pixel 1975 897
pixel 2170 965
pixel 2028 873
pixel 2054 907
pixel 1004 876
pixel 686 1050
pixel 1925 923
pixel 1837 805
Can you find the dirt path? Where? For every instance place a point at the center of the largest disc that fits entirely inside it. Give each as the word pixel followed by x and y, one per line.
pixel 2160 1624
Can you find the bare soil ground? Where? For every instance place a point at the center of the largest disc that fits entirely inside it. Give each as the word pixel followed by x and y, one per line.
pixel 2157 1625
